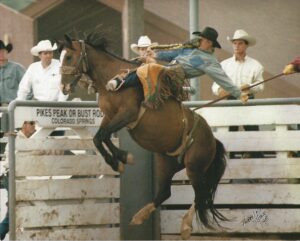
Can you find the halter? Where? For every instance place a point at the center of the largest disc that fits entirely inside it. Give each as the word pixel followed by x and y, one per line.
pixel 75 70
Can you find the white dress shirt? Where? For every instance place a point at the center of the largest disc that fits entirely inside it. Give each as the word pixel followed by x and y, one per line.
pixel 43 83
pixel 244 72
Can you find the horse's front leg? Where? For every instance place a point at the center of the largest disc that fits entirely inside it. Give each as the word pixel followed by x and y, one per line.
pixel 121 155
pixel 165 168
pixel 109 159
pixel 120 120
pixel 98 142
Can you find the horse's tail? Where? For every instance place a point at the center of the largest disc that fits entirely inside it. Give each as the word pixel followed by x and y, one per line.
pixel 205 194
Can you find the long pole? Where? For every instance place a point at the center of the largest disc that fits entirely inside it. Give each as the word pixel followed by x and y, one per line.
pixel 243 89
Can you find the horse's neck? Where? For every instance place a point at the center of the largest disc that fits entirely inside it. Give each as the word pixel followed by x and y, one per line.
pixel 104 66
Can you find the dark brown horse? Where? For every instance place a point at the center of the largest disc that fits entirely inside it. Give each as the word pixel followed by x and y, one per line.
pixel 161 131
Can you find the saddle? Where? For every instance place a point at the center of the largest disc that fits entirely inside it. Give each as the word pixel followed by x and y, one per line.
pixel 161 83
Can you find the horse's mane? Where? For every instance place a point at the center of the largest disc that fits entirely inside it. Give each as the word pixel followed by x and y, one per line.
pixel 97 40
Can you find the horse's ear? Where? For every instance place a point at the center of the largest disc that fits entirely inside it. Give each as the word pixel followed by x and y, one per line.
pixel 60 45
pixel 68 41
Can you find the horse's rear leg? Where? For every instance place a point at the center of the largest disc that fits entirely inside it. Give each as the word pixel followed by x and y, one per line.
pixel 187 223
pixel 205 166
pixel 165 168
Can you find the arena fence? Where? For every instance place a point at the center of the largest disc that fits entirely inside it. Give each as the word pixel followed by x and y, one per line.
pixel 60 186
pixel 61 189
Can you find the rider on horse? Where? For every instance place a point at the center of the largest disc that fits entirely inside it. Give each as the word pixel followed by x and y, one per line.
pixel 193 61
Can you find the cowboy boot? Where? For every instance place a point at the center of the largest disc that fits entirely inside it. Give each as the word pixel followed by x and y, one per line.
pixel 115 83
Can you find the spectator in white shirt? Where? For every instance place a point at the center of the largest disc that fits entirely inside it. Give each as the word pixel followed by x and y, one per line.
pixel 244 71
pixel 42 78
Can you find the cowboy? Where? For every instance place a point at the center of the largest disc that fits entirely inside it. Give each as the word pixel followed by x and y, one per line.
pixel 11 74
pixel 141 47
pixel 42 78
pixel 194 62
pixel 243 70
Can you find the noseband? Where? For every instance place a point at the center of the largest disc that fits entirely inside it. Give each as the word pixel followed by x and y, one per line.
pixel 76 71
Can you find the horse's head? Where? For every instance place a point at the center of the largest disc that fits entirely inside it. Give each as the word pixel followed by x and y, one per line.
pixel 74 63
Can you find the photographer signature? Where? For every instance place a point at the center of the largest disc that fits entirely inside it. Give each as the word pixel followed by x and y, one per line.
pixel 258 216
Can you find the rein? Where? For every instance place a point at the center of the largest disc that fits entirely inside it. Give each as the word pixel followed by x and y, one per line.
pixel 75 70
pixel 243 89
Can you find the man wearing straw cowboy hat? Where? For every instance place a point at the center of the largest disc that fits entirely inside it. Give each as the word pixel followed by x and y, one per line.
pixel 244 72
pixel 141 47
pixel 42 78
pixel 242 69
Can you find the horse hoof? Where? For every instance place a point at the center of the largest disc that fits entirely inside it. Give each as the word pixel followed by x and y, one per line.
pixel 121 167
pixel 186 233
pixel 130 159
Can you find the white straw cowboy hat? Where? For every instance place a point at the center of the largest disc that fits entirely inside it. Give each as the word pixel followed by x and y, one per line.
pixel 144 41
pixel 43 45
pixel 242 35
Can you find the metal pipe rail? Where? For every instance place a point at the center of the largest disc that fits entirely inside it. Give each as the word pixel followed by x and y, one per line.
pixel 270 101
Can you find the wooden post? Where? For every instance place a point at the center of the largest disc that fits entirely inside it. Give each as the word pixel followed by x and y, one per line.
pixel 136 190
pixel 137 181
pixel 132 24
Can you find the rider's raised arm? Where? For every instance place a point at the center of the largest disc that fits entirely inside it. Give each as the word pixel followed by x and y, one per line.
pixel 219 76
pixel 168 55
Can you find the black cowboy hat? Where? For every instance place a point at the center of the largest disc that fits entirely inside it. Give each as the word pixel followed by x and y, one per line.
pixel 210 34
pixel 8 47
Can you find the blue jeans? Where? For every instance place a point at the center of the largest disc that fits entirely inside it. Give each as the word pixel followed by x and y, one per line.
pixel 4 228
pixel 4 225
pixel 131 80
